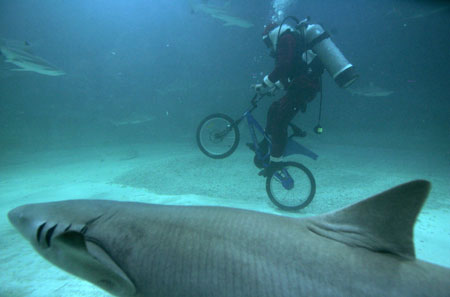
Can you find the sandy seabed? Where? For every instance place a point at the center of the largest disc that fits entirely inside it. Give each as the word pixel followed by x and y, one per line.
pixel 177 173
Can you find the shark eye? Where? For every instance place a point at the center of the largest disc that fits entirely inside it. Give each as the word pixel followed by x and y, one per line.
pixel 39 231
pixel 48 236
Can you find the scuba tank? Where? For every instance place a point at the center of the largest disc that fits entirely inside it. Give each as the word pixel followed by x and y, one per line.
pixel 317 40
pixel 317 43
pixel 332 58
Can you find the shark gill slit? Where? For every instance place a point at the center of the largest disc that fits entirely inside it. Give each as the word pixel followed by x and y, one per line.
pixel 39 231
pixel 48 235
pixel 93 220
pixel 84 229
pixel 86 226
pixel 67 228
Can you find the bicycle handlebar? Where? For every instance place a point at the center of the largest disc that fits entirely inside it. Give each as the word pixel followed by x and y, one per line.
pixel 258 96
pixel 255 100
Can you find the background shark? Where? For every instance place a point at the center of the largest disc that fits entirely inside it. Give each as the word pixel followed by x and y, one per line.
pixel 219 13
pixel 428 13
pixel 135 249
pixel 26 61
pixel 369 91
pixel 133 119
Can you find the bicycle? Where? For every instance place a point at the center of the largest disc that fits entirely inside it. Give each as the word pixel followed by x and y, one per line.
pixel 290 185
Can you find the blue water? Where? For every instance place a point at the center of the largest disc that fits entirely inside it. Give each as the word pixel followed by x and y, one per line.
pixel 161 58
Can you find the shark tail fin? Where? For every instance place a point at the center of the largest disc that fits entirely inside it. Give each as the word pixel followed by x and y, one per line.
pixel 382 223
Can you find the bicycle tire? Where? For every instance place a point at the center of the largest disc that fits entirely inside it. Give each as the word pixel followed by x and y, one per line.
pixel 222 121
pixel 302 201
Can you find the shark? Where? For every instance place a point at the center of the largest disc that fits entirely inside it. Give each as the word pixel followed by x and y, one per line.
pixel 428 13
pixel 133 249
pixel 369 91
pixel 230 20
pixel 134 119
pixel 22 57
pixel 220 14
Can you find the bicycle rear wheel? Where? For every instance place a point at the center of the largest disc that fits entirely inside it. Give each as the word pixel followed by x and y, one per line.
pixel 292 187
pixel 217 137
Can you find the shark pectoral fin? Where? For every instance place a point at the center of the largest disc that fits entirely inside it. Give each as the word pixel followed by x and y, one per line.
pixel 87 260
pixel 116 278
pixel 381 223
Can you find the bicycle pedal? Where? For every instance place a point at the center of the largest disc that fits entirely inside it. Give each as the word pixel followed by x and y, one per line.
pixel 263 173
pixel 273 167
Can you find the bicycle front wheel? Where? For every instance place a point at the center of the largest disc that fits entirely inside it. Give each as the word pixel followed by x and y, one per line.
pixel 217 137
pixel 291 187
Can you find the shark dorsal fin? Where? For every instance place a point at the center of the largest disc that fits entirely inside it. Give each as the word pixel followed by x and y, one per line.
pixel 382 223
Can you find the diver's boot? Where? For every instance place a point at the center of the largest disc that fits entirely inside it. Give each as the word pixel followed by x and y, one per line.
pixel 274 165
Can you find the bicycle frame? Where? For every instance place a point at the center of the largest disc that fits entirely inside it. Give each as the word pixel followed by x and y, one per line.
pixel 253 126
pixel 292 146
pixel 218 137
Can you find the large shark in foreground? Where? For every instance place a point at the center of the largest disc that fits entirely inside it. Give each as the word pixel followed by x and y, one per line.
pixel 135 249
pixel 22 57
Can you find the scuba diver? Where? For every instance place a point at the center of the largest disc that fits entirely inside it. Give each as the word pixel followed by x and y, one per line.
pixel 301 54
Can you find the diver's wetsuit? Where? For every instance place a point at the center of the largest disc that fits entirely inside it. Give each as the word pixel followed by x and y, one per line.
pixel 300 84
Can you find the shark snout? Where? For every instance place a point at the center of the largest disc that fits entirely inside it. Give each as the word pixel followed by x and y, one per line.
pixel 22 219
pixel 41 223
pixel 16 216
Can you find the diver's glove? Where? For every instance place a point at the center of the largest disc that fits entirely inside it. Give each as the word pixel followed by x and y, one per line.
pixel 263 89
pixel 260 88
pixel 266 87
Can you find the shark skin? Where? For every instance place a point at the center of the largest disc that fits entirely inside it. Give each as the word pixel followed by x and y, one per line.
pixel 136 249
